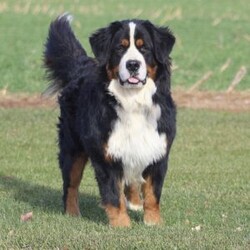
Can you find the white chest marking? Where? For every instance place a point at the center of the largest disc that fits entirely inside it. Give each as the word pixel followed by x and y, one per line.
pixel 135 139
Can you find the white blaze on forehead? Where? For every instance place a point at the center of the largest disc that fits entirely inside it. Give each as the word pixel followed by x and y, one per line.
pixel 132 33
pixel 132 54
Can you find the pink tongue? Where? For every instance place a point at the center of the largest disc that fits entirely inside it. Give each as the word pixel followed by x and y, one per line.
pixel 133 80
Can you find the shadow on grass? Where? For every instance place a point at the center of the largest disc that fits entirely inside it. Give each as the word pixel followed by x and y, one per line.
pixel 49 200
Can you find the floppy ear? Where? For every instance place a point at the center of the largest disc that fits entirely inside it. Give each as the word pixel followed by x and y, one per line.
pixel 101 40
pixel 163 40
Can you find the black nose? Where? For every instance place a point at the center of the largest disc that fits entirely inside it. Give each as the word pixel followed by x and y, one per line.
pixel 133 66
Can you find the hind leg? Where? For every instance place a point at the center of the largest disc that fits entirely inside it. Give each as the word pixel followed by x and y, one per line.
pixel 72 169
pixel 133 196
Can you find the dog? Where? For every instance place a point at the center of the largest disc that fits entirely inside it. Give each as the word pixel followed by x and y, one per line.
pixel 116 110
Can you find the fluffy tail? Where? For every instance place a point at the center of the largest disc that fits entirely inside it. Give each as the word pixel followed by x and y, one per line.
pixel 62 52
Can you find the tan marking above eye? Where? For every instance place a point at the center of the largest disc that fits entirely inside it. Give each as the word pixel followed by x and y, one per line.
pixel 139 43
pixel 125 42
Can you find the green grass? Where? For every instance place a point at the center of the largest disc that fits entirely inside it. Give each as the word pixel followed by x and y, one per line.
pixel 208 180
pixel 207 185
pixel 208 34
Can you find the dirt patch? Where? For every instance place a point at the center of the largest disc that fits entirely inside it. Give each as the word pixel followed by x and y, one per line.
pixel 233 101
pixel 8 100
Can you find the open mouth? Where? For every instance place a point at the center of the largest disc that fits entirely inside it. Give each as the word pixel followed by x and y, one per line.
pixel 133 80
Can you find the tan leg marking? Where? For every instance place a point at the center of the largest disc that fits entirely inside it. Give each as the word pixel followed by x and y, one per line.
pixel 72 204
pixel 132 193
pixel 118 216
pixel 151 206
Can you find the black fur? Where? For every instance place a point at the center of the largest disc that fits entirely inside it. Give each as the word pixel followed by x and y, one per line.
pixel 88 111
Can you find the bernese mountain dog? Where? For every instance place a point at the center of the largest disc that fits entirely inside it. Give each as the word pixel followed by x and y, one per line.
pixel 116 110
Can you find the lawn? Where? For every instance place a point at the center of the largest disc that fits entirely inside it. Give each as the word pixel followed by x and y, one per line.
pixel 209 35
pixel 205 201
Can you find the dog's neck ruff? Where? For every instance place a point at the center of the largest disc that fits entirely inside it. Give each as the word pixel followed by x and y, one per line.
pixel 134 139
